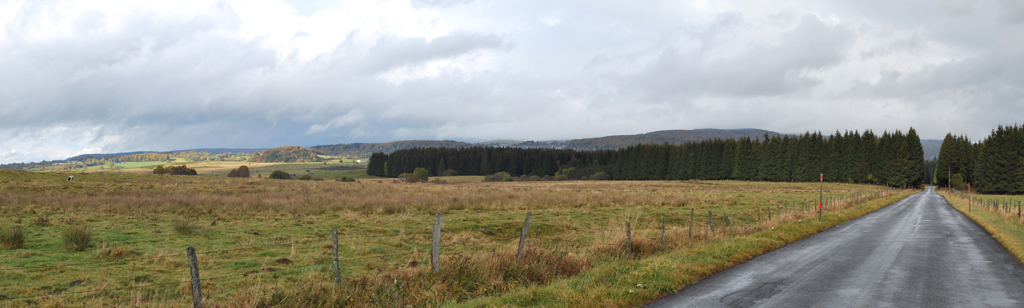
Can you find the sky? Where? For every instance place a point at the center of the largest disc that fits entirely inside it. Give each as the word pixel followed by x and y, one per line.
pixel 93 76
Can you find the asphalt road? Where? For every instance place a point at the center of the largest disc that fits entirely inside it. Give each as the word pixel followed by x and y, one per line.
pixel 917 252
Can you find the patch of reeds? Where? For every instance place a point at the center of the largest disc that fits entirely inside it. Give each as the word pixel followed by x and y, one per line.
pixel 76 238
pixel 12 238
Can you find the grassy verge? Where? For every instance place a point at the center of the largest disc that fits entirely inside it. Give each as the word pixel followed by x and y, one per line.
pixel 1004 224
pixel 626 282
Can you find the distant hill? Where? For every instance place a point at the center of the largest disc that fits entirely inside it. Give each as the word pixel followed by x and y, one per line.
pixel 670 136
pixel 365 149
pixel 286 154
pixel 214 151
pixel 931 148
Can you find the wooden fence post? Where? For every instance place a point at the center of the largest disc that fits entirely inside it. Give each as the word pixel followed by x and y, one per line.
pixel 691 222
pixel 435 252
pixel 663 230
pixel 335 267
pixel 711 222
pixel 769 209
pixel 197 290
pixel 629 240
pixel 522 238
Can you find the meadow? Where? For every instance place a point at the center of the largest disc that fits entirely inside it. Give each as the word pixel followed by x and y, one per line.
pixel 268 242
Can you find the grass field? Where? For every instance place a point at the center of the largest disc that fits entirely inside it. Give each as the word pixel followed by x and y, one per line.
pixel 329 170
pixel 267 242
pixel 1006 224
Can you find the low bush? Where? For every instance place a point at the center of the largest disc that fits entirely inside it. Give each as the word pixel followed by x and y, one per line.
pixel 450 172
pixel 76 238
pixel 159 170
pixel 241 172
pixel 345 179
pixel 600 176
pixel 12 238
pixel 280 175
pixel 305 177
pixel 115 252
pixel 498 177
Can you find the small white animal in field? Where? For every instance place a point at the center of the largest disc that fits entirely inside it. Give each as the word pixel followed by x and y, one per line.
pixel 71 178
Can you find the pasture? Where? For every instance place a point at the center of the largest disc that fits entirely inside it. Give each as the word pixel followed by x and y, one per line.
pixel 268 242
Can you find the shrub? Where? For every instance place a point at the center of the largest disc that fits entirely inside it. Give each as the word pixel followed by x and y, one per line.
pixel 13 238
pixel 241 172
pixel 420 175
pixel 450 172
pixel 305 177
pixel 280 175
pixel 181 170
pixel 345 179
pixel 957 181
pixel 76 238
pixel 600 176
pixel 498 177
pixel 159 170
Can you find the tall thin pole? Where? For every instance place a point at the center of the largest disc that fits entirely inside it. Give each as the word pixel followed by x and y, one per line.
pixel 821 193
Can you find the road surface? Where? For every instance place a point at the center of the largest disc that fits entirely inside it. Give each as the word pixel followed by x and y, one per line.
pixel 917 252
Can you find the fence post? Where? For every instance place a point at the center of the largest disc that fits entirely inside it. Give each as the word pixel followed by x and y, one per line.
pixel 711 222
pixel 663 230
pixel 197 290
pixel 691 222
pixel 435 252
pixel 746 226
pixel 769 209
pixel 334 262
pixel 731 219
pixel 522 238
pixel 629 240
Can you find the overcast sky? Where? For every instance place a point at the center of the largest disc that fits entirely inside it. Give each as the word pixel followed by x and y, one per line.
pixel 112 76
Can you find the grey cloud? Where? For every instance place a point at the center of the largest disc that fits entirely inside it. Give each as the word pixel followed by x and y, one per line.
pixel 390 52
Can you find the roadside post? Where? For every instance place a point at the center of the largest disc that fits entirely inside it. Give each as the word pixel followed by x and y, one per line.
pixel 821 193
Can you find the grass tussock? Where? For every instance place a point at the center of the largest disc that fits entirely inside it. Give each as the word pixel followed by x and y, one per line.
pixel 115 252
pixel 42 221
pixel 184 226
pixel 76 238
pixel 12 238
pixel 461 277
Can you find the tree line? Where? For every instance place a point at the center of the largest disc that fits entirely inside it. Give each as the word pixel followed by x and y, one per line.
pixel 891 158
pixel 993 165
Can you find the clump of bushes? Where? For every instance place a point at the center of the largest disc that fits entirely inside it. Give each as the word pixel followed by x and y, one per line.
pixel 76 238
pixel 280 175
pixel 450 172
pixel 175 170
pixel 345 179
pixel 12 238
pixel 305 177
pixel 417 176
pixel 241 172
pixel 498 177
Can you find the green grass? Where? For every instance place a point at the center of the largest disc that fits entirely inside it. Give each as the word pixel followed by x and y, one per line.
pixel 248 225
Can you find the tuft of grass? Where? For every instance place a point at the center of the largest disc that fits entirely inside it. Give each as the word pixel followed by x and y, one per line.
pixel 184 227
pixel 42 221
pixel 114 252
pixel 76 238
pixel 13 238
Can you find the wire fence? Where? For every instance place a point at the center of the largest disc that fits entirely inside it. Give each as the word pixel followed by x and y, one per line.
pixel 691 226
